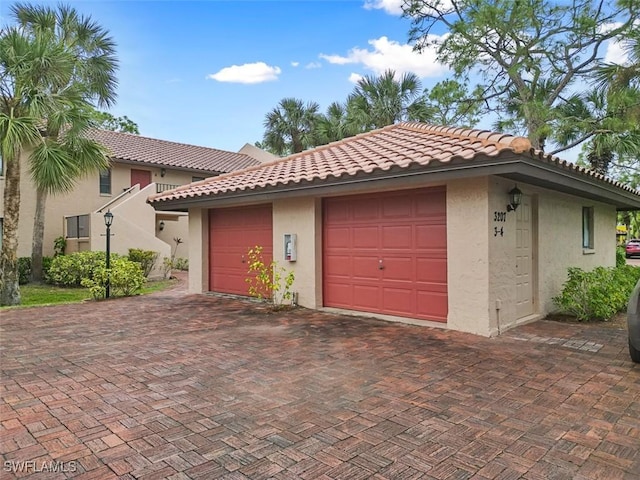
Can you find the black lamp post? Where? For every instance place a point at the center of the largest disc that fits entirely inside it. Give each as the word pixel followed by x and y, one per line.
pixel 108 220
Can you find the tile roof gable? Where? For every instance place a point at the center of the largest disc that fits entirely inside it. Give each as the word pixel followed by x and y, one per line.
pixel 152 151
pixel 402 145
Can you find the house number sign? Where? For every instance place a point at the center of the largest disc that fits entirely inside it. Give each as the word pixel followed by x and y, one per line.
pixel 498 219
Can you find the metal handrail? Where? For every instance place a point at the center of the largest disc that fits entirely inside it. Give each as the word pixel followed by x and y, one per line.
pixel 113 200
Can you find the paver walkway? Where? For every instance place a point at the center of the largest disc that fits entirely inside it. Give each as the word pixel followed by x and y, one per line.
pixel 177 386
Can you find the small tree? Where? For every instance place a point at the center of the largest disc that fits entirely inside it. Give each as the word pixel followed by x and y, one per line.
pixel 269 280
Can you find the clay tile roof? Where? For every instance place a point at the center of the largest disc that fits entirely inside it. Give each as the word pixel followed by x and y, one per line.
pixel 136 148
pixel 402 145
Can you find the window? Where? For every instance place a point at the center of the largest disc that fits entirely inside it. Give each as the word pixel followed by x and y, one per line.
pixel 78 226
pixel 587 228
pixel 105 182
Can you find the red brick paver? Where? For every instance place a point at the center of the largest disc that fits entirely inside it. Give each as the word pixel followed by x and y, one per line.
pixel 177 386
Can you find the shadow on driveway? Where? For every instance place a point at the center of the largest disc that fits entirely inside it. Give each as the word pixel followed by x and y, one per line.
pixel 176 386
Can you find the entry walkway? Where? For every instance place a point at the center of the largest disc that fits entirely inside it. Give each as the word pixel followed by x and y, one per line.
pixel 190 386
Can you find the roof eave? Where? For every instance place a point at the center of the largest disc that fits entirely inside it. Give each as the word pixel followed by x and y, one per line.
pixel 166 165
pixel 522 168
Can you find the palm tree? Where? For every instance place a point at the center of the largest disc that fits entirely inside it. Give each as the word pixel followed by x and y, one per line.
pixel 384 100
pixel 93 78
pixel 39 95
pixel 335 125
pixel 291 127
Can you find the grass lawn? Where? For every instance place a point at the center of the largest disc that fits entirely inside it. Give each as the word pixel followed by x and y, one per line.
pixel 35 294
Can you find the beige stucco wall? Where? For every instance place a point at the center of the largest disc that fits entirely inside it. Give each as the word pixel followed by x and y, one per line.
pixel 560 240
pixel 198 250
pixel 556 246
pixel 303 218
pixel 84 199
pixel 481 267
pixel 468 255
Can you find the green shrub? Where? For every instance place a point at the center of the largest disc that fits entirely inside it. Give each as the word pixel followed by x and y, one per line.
pixel 59 246
pixel 181 264
pixel 125 279
pixel 24 270
pixel 621 257
pixel 46 265
pixel 69 270
pixel 146 258
pixel 598 294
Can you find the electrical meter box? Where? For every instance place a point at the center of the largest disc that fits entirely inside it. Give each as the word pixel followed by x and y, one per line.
pixel 290 247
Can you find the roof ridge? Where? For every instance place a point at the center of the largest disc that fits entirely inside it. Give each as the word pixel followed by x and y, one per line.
pixel 517 143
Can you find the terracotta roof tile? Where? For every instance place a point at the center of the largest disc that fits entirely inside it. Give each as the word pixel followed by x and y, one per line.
pixel 151 151
pixel 402 146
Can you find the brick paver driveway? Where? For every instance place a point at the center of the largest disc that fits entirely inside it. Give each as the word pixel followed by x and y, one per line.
pixel 175 386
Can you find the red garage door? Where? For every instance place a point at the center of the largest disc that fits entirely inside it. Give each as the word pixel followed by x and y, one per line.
pixel 232 231
pixel 387 253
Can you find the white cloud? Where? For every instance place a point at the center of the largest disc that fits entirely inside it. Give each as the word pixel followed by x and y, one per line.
pixel 355 77
pixel 388 54
pixel 248 73
pixel 393 7
pixel 295 64
pixel 617 48
pixel 616 53
pixel 313 65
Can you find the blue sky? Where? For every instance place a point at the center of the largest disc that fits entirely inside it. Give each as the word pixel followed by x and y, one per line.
pixel 207 72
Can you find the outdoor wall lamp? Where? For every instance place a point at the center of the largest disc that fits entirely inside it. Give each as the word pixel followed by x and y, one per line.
pixel 108 220
pixel 161 225
pixel 515 199
pixel 163 172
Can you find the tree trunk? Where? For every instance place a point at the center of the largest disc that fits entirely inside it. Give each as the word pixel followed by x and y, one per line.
pixel 38 236
pixel 9 287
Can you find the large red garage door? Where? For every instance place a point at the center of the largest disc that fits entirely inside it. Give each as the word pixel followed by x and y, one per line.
pixel 232 231
pixel 387 253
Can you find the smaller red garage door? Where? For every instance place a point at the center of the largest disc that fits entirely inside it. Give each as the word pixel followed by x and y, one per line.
pixel 387 253
pixel 232 231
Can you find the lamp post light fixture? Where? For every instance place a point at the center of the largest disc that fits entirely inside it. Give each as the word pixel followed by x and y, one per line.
pixel 108 220
pixel 515 199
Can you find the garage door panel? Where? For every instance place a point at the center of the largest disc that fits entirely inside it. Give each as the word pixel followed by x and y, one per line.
pixel 431 237
pixel 398 301
pixel 397 237
pixel 408 232
pixel 232 232
pixel 432 203
pixel 396 207
pixel 362 210
pixel 431 270
pixel 339 265
pixel 366 296
pixel 364 237
pixel 398 269
pixel 432 305
pixel 365 267
pixel 341 292
pixel 338 238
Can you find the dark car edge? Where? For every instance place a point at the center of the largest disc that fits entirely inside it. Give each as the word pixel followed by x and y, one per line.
pixel 633 323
